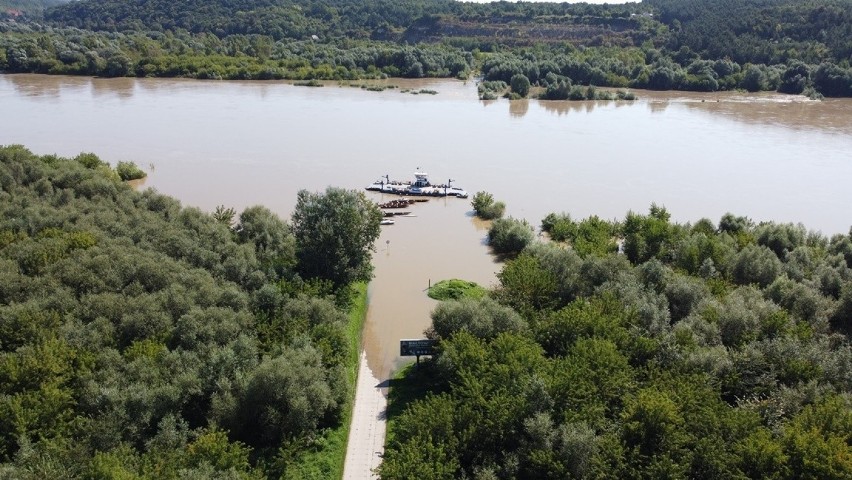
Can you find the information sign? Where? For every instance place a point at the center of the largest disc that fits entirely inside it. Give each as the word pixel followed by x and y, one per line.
pixel 416 347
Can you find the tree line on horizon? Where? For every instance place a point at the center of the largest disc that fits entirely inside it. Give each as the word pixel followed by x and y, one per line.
pixel 755 45
pixel 143 339
pixel 638 349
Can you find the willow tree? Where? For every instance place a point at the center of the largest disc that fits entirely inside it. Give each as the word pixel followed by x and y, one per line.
pixel 335 232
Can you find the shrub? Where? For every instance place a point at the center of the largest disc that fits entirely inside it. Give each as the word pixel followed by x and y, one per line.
pixel 510 236
pixel 756 264
pixel 520 84
pixel 485 207
pixel 483 318
pixel 129 171
pixel 455 289
pixel 560 227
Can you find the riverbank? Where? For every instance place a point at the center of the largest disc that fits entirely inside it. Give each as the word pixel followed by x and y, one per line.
pixel 327 460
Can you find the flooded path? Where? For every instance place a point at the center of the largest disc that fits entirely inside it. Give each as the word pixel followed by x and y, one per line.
pixel 443 241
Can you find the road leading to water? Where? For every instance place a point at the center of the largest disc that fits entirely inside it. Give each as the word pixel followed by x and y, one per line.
pixel 367 432
pixel 442 241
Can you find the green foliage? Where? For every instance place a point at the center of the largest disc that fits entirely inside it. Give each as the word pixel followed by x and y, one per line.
pixel 796 47
pixel 560 227
pixel 483 318
pixel 650 236
pixel 758 32
pixel 335 232
pixel 134 329
pixel 520 84
pixel 224 215
pixel 591 236
pixel 721 353
pixel 491 89
pixel 286 397
pixel 485 207
pixel 509 236
pixel 755 264
pixel 129 171
pixel 818 440
pixel 525 284
pixel 455 289
pixel 271 238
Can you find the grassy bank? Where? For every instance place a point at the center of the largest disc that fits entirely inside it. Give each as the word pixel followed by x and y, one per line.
pixel 325 461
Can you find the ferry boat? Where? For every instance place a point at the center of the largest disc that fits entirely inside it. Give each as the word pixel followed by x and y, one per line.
pixel 420 186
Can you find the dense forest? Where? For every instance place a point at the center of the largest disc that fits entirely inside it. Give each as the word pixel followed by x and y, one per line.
pixel 706 45
pixel 143 339
pixel 703 351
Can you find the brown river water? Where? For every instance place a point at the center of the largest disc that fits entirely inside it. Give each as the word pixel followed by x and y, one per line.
pixel 766 156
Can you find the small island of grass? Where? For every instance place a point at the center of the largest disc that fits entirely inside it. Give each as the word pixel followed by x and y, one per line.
pixel 455 289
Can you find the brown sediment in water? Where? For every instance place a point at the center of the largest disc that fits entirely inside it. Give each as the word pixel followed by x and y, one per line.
pixel 443 241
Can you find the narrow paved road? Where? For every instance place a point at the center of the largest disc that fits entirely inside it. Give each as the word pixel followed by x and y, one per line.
pixel 367 432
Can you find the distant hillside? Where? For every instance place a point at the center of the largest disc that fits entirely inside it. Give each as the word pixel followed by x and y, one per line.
pixel 791 46
pixel 279 19
pixel 398 20
pixel 760 31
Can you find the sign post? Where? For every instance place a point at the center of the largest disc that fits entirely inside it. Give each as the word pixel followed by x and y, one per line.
pixel 416 347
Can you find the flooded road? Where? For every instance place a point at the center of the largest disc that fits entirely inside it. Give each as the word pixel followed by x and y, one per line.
pixel 767 156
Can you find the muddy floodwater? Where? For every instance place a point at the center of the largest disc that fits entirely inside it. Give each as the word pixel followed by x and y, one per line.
pixel 766 156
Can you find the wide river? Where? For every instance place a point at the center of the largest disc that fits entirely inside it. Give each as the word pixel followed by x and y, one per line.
pixel 769 157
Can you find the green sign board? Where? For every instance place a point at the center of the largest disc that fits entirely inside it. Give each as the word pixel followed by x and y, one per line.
pixel 416 347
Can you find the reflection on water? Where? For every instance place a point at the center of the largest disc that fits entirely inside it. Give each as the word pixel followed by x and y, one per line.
pixel 120 87
pixel 565 107
pixel 767 156
pixel 519 108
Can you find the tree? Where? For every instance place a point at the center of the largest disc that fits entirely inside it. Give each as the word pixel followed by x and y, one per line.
pixel 510 236
pixel 755 264
pixel 485 207
pixel 286 397
pixel 483 318
pixel 334 234
pixel 271 237
pixel 795 77
pixel 647 237
pixel 525 284
pixel 830 80
pixel 520 84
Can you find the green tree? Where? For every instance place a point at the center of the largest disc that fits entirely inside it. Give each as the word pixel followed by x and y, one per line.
pixel 755 264
pixel 509 235
pixel 520 84
pixel 335 232
pixel 648 236
pixel 286 397
pixel 526 285
pixel 485 207
pixel 483 318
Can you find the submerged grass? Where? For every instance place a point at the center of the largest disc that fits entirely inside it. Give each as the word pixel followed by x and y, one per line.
pixel 327 459
pixel 455 289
